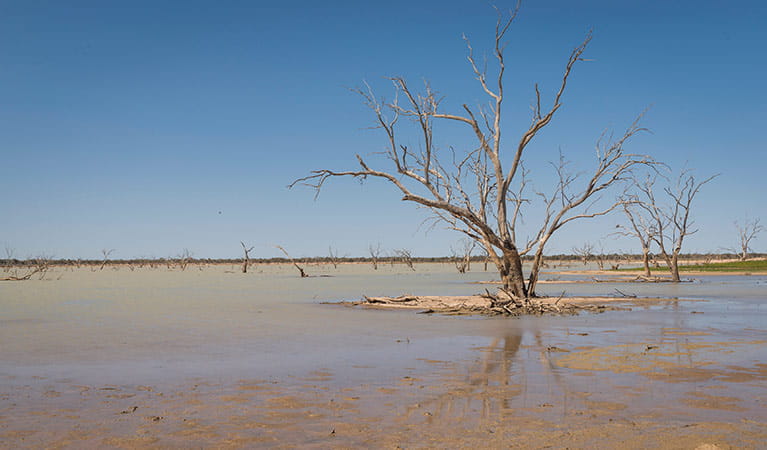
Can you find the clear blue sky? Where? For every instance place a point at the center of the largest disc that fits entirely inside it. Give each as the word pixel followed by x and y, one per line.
pixel 131 125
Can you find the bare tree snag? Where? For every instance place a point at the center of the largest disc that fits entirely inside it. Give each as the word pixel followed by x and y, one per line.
pixel 106 253
pixel 405 256
pixel 481 191
pixel 640 226
pixel 300 270
pixel 670 223
pixel 462 257
pixel 333 257
pixel 37 266
pixel 183 259
pixel 246 259
pixel 746 233
pixel 585 252
pixel 375 254
pixel 9 258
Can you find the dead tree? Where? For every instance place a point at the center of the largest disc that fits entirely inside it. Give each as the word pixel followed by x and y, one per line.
pixel 405 256
pixel 375 254
pixel 246 259
pixel 746 233
pixel 480 191
pixel 641 227
pixel 585 252
pixel 300 269
pixel 333 257
pixel 462 257
pixel 183 259
pixel 37 266
pixel 671 222
pixel 9 257
pixel 106 253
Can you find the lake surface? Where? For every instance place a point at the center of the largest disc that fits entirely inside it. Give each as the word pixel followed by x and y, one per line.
pixel 212 357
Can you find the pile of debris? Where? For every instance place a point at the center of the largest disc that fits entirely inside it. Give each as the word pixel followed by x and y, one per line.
pixel 484 304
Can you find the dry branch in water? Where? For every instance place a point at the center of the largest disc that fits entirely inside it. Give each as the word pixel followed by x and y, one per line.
pixel 300 270
pixel 39 267
pixel 246 259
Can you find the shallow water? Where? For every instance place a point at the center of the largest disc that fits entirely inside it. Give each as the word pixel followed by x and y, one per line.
pixel 224 348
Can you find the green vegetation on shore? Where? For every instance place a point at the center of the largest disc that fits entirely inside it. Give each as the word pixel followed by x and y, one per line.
pixel 759 265
pixel 754 265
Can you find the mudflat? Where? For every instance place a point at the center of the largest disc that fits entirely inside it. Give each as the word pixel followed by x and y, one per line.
pixel 210 357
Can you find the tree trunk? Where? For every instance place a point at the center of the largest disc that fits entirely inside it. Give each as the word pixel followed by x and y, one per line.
pixel 534 271
pixel 511 273
pixel 674 267
pixel 646 261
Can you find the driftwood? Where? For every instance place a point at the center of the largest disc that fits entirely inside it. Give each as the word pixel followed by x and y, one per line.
pixel 483 304
pixel 41 267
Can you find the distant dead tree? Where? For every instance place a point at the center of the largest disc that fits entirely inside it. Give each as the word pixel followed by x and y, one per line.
pixel 478 190
pixel 246 259
pixel 670 223
pixel 599 257
pixel 462 256
pixel 183 259
pixel 35 266
pixel 300 270
pixel 333 257
pixel 106 253
pixel 746 233
pixel 640 226
pixel 405 256
pixel 9 257
pixel 375 254
pixel 584 252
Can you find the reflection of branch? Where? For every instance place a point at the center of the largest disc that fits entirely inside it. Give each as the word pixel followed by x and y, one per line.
pixel 300 270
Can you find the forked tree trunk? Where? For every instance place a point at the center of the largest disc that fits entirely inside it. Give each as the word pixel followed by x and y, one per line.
pixel 646 261
pixel 672 262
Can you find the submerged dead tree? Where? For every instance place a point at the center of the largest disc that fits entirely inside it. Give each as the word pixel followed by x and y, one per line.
pixel 36 266
pixel 462 257
pixel 293 261
pixel 480 191
pixel 375 254
pixel 640 226
pixel 246 258
pixel 670 222
pixel 405 256
pixel 747 233
pixel 106 252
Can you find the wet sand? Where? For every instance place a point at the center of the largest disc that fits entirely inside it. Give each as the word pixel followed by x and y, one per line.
pixel 216 358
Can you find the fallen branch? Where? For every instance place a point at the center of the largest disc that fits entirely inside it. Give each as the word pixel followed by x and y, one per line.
pixel 300 270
